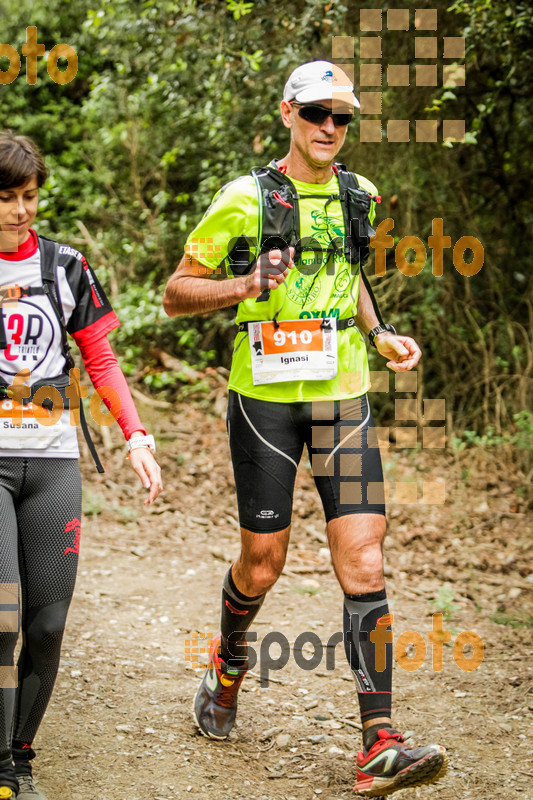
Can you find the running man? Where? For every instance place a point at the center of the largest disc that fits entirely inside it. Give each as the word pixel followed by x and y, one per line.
pixel 291 237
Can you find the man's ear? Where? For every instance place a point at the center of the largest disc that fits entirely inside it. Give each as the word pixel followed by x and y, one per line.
pixel 286 109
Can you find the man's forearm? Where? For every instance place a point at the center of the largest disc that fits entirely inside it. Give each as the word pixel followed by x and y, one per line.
pixel 188 294
pixel 366 316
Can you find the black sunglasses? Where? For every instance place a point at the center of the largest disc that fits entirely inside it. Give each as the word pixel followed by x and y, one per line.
pixel 319 114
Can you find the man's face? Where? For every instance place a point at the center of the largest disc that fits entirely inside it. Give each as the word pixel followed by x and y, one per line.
pixel 18 207
pixel 317 143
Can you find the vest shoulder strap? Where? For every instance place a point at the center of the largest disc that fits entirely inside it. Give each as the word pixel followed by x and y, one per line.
pixel 49 252
pixel 279 210
pixel 347 179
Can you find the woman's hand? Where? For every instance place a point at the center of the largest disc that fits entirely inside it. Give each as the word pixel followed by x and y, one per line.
pixel 148 470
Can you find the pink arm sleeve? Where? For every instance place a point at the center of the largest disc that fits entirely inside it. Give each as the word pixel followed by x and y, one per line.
pixel 104 371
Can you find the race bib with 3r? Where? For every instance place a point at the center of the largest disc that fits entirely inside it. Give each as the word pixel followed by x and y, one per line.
pixel 293 350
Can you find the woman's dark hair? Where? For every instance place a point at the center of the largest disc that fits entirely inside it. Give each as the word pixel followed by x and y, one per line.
pixel 19 160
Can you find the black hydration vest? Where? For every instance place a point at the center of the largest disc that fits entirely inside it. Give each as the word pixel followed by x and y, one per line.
pixel 279 223
pixel 49 253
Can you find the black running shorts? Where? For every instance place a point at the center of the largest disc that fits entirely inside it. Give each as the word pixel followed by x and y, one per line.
pixel 267 440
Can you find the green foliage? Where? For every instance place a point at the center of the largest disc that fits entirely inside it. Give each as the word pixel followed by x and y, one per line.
pixel 145 330
pixel 172 100
pixel 145 326
pixel 93 503
pixel 474 332
pixel 444 604
pixel 521 438
pixel 125 514
pixel 239 8
pixel 513 620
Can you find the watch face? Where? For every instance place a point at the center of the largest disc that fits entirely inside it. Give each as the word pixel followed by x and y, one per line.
pixel 377 330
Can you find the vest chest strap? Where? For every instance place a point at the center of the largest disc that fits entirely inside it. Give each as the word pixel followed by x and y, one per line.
pixel 342 324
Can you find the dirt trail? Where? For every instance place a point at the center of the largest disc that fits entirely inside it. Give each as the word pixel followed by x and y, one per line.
pixel 119 726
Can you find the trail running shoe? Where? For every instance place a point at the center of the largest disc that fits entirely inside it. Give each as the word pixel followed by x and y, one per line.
pixel 215 704
pixel 389 765
pixel 28 790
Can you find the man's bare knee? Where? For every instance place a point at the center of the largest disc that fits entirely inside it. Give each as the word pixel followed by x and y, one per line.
pixel 369 559
pixel 264 575
pixel 261 561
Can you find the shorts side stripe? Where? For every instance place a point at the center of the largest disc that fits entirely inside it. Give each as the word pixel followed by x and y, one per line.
pixel 276 450
pixel 341 443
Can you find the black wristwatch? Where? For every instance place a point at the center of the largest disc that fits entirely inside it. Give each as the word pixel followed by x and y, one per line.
pixel 380 329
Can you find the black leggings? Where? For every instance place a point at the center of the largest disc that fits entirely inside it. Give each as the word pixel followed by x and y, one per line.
pixel 40 510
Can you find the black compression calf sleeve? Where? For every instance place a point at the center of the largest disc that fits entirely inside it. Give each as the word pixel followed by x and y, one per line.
pixel 366 631
pixel 238 613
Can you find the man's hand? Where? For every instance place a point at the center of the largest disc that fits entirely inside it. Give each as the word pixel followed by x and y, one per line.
pixel 271 270
pixel 402 351
pixel 148 470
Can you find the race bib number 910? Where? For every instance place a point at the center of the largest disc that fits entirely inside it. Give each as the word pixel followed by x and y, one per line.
pixel 293 350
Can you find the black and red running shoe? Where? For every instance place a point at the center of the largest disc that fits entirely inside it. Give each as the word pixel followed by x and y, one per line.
pixel 390 766
pixel 215 704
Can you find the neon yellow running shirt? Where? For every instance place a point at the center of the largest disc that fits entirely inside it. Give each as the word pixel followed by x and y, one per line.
pixel 330 291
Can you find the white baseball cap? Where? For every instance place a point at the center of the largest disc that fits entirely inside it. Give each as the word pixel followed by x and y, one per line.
pixel 320 80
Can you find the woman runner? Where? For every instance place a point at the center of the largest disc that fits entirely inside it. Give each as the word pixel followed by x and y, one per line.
pixel 40 488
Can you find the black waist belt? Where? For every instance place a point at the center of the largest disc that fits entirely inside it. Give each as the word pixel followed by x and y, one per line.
pixel 342 324
pixel 60 383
